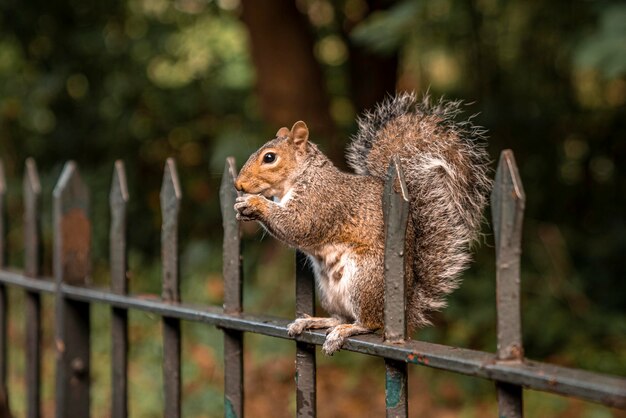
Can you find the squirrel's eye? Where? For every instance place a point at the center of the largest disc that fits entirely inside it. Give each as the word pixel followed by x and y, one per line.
pixel 270 157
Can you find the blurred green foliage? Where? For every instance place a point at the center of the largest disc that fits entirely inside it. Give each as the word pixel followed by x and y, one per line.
pixel 142 80
pixel 136 80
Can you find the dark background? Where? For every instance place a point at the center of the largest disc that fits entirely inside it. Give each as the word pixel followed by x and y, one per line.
pixel 141 80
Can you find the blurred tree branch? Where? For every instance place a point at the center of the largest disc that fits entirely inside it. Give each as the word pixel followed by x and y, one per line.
pixel 290 83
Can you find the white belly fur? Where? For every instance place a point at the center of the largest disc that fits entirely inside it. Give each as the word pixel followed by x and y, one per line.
pixel 334 269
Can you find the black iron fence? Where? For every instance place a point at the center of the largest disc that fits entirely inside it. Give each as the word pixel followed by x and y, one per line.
pixel 508 368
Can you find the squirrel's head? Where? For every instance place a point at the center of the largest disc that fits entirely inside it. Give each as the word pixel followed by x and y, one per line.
pixel 270 171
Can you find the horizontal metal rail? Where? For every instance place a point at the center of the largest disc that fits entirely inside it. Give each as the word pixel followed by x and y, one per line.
pixel 594 387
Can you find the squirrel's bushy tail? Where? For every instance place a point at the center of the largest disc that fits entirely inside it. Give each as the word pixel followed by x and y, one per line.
pixel 446 169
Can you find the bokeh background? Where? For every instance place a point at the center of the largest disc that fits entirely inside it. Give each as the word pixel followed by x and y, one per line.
pixel 198 80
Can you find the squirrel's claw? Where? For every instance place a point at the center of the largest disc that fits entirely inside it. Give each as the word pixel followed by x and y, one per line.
pixel 241 217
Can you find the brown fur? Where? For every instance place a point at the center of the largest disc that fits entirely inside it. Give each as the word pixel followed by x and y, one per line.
pixel 336 217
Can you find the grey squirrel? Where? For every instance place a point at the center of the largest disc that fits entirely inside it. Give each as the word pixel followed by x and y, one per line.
pixel 336 218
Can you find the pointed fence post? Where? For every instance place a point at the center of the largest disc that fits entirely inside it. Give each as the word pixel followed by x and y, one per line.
pixel 233 339
pixel 32 269
pixel 507 202
pixel 118 199
pixel 170 207
pixel 72 242
pixel 396 210
pixel 4 303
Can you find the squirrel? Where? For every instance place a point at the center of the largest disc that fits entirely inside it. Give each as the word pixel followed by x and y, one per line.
pixel 336 218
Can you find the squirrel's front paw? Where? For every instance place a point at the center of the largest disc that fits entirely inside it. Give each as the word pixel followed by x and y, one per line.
pixel 249 207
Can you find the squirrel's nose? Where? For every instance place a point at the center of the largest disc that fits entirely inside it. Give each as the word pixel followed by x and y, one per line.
pixel 239 185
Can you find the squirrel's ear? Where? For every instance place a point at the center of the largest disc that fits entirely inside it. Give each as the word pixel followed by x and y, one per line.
pixel 300 133
pixel 282 132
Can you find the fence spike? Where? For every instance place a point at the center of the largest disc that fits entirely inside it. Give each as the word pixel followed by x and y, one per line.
pixel 395 210
pixel 170 207
pixel 71 264
pixel 508 200
pixel 118 199
pixel 233 339
pixel 32 268
pixel 232 240
pixel 72 250
pixel 32 227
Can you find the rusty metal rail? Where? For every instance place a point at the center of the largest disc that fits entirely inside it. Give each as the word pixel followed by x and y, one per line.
pixel 73 296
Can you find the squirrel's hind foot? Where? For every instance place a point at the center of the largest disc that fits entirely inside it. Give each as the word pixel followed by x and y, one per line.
pixel 337 335
pixel 310 322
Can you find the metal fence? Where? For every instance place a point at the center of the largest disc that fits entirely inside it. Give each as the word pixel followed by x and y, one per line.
pixel 508 368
